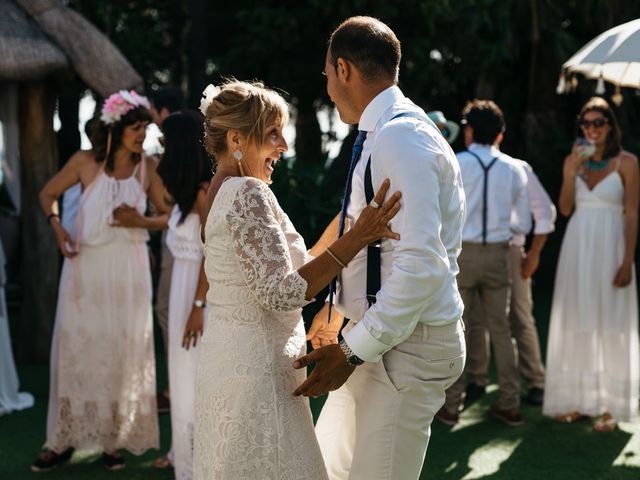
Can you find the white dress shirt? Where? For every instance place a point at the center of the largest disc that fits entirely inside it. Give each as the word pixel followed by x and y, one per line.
pixel 508 209
pixel 542 208
pixel 418 272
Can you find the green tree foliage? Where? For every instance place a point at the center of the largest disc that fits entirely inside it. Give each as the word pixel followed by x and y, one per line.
pixel 453 50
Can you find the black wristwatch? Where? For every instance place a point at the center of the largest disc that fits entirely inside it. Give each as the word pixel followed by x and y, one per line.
pixel 352 358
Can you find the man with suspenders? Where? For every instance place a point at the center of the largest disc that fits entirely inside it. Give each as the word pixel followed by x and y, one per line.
pixel 404 344
pixel 497 207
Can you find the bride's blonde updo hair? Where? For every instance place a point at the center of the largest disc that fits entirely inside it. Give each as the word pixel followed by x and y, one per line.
pixel 248 107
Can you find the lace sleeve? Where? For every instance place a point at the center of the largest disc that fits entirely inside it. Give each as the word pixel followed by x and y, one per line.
pixel 262 251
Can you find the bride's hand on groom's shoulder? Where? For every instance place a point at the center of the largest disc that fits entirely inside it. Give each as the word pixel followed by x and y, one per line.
pixel 322 332
pixel 373 222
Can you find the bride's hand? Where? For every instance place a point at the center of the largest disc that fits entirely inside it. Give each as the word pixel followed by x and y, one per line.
pixel 373 222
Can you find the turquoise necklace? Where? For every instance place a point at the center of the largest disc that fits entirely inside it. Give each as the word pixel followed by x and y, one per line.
pixel 597 166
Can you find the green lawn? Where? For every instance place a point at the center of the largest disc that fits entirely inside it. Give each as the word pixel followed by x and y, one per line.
pixel 476 448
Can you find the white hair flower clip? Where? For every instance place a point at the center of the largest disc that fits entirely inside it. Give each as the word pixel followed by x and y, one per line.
pixel 208 95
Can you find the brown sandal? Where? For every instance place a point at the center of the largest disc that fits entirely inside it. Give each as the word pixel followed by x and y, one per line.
pixel 605 423
pixel 568 417
pixel 162 462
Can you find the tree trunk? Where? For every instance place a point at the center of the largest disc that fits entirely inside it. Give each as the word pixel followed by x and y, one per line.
pixel 533 58
pixel 40 259
pixel 308 134
pixel 69 135
pixel 196 53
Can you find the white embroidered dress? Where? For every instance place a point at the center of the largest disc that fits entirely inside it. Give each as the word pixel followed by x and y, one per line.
pixel 183 240
pixel 102 389
pixel 593 362
pixel 249 425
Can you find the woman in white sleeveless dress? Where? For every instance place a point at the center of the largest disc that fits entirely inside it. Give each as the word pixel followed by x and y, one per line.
pixel 249 425
pixel 592 352
pixel 185 170
pixel 102 389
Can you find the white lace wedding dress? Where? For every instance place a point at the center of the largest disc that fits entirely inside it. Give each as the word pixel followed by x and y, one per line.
pixel 593 362
pixel 249 425
pixel 102 393
pixel 183 240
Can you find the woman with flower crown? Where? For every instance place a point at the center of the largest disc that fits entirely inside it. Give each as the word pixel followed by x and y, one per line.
pixel 102 387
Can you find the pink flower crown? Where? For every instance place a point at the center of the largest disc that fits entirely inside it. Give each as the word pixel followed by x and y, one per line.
pixel 119 104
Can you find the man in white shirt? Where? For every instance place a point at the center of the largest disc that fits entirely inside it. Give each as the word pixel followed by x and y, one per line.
pixel 523 324
pixel 404 344
pixel 497 207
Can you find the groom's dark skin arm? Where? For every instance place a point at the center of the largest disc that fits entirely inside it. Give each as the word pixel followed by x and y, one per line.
pixel 330 372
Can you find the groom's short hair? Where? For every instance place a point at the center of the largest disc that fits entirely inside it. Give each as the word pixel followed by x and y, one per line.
pixel 370 45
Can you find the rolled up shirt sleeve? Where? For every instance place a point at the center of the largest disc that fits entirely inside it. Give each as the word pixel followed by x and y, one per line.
pixel 543 209
pixel 420 264
pixel 521 213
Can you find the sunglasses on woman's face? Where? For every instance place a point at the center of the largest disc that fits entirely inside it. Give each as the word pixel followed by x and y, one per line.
pixel 597 123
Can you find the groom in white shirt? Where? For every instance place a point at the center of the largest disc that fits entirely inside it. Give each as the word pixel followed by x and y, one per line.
pixel 405 343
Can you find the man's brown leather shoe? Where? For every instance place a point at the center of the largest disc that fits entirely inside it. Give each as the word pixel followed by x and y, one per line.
pixel 447 417
pixel 508 417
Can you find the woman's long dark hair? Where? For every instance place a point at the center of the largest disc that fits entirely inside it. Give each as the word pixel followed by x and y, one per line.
pixel 100 136
pixel 185 165
pixel 612 144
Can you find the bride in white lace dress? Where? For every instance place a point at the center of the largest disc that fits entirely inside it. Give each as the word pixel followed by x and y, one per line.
pixel 102 389
pixel 249 425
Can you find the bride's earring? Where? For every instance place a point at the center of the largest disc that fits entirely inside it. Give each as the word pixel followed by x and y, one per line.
pixel 238 156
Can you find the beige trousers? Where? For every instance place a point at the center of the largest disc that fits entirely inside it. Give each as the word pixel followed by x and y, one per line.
pixel 377 425
pixel 485 275
pixel 523 329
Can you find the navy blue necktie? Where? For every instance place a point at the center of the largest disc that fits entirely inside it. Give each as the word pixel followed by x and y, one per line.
pixel 356 153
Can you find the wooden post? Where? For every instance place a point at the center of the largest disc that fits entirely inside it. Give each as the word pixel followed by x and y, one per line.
pixel 40 257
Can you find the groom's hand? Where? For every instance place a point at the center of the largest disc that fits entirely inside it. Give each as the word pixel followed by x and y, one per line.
pixel 330 372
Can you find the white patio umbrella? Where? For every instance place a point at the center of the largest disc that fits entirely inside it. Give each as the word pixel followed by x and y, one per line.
pixel 613 56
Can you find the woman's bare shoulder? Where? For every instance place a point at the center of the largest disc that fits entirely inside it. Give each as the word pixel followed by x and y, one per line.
pixel 82 157
pixel 628 158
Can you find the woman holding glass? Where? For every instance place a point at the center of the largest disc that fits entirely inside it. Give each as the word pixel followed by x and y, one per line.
pixel 592 351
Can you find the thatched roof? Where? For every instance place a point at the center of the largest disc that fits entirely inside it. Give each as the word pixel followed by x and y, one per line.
pixel 63 35
pixel 25 52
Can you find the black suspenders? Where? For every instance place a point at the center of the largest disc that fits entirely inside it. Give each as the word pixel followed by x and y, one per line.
pixel 485 169
pixel 373 250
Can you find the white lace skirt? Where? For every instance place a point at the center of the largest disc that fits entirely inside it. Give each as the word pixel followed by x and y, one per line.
pixel 593 363
pixel 102 389
pixel 249 425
